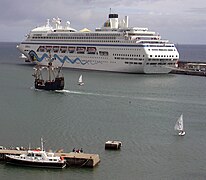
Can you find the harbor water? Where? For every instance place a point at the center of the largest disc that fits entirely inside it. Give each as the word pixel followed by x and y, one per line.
pixel 139 110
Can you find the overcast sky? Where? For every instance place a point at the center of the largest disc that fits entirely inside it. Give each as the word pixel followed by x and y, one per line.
pixel 180 21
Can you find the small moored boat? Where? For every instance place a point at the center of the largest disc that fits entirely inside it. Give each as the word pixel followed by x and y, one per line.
pixel 37 158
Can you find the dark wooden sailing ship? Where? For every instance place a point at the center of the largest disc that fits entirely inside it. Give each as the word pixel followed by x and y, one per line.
pixel 54 81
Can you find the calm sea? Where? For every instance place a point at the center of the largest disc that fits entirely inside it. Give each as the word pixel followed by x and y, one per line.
pixel 139 110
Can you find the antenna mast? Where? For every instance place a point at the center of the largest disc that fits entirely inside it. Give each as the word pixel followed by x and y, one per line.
pixel 42 144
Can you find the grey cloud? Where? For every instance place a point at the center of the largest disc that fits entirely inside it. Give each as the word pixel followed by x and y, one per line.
pixel 20 16
pixel 201 10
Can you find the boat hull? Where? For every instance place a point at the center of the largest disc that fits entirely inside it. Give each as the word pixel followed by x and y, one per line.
pixel 109 65
pixel 182 133
pixel 58 84
pixel 112 61
pixel 35 163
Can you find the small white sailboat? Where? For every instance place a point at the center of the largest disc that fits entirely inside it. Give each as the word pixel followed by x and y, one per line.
pixel 179 126
pixel 80 82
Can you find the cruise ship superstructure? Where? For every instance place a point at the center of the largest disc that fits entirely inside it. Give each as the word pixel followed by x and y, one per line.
pixel 113 47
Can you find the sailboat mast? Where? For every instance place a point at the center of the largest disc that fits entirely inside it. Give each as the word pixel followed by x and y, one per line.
pixel 182 121
pixel 42 144
pixel 59 70
pixel 49 70
pixel 49 66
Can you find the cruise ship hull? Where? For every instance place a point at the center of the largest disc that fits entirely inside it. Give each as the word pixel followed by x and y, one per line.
pixel 95 61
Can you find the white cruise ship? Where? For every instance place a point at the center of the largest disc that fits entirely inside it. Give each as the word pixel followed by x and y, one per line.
pixel 113 47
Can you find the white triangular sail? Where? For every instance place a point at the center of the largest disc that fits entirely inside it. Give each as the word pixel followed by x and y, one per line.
pixel 80 79
pixel 179 124
pixel 80 82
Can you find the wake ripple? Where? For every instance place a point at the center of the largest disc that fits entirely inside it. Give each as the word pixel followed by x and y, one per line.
pixel 157 99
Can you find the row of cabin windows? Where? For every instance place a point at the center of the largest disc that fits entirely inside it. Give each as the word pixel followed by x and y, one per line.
pixel 139 63
pixel 161 59
pixel 109 39
pixel 164 56
pixel 123 58
pixel 163 49
pixel 72 37
pixel 88 57
pixel 82 34
pixel 90 40
pixel 121 49
pixel 72 49
pixel 154 64
pixel 97 34
pixel 95 61
pixel 162 45
pixel 130 55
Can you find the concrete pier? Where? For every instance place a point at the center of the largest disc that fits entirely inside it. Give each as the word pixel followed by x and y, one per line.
pixel 190 68
pixel 115 145
pixel 80 159
pixel 72 158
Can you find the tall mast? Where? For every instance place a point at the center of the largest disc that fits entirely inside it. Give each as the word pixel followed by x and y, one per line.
pixel 42 144
pixel 49 66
